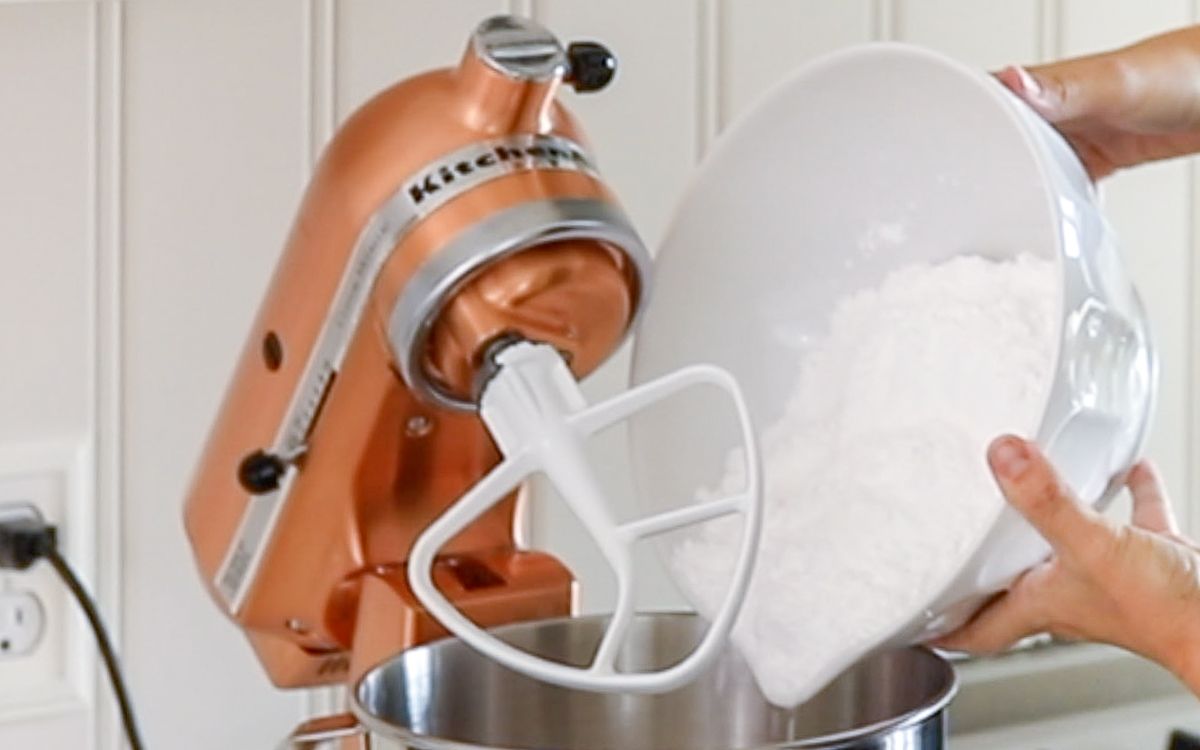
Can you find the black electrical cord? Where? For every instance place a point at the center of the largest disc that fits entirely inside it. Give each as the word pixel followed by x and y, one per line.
pixel 22 543
pixel 102 642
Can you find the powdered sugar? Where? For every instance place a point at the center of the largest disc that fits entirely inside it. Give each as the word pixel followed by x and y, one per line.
pixel 876 485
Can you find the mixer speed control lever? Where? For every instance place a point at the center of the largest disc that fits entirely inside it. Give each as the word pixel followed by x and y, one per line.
pixel 261 472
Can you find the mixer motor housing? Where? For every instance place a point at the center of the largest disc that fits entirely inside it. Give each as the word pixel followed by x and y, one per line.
pixel 456 209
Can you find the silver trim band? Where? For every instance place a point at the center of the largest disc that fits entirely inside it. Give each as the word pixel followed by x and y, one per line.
pixel 501 234
pixel 426 191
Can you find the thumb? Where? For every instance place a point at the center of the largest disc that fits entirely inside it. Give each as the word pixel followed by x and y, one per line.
pixel 1032 487
pixel 1151 506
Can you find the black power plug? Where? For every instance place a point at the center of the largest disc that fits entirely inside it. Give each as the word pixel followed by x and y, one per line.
pixel 24 541
pixel 26 538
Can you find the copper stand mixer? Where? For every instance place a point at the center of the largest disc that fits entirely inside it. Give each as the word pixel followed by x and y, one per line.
pixel 456 256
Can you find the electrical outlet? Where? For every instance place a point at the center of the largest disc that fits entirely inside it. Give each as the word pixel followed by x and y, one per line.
pixel 22 622
pixel 48 664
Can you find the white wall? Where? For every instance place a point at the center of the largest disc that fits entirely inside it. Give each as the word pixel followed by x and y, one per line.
pixel 151 155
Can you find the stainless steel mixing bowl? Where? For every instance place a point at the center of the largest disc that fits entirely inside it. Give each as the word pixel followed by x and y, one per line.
pixel 444 696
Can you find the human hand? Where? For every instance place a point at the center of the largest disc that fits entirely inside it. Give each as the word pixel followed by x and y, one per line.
pixel 1121 108
pixel 1136 586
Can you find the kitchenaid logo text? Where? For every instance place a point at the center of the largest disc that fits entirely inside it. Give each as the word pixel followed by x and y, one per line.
pixel 554 154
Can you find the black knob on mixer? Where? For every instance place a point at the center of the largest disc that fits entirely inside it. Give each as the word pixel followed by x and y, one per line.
pixel 592 66
pixel 260 472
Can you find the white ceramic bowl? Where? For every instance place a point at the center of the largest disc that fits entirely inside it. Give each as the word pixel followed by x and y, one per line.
pixel 896 141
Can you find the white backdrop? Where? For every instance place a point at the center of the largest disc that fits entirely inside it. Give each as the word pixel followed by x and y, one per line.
pixel 151 155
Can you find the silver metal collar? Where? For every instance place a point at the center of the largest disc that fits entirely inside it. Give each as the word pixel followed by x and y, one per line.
pixel 502 234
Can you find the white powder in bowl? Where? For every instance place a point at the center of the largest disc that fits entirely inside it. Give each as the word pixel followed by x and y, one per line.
pixel 876 483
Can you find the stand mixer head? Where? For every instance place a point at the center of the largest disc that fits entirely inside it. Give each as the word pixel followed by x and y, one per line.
pixel 455 248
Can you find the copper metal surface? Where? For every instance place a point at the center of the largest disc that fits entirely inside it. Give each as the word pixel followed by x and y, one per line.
pixel 381 464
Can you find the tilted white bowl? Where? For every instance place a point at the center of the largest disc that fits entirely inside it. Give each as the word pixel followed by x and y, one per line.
pixel 876 142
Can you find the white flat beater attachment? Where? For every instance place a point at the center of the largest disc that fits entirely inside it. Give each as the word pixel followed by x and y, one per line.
pixel 540 420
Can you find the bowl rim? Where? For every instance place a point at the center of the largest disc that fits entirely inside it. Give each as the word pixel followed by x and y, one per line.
pixel 931 708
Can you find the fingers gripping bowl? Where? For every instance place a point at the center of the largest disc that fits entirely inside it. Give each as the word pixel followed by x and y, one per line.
pixel 864 163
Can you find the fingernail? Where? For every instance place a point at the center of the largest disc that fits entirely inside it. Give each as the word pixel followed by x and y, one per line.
pixel 1045 100
pixel 1010 457
pixel 1030 86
